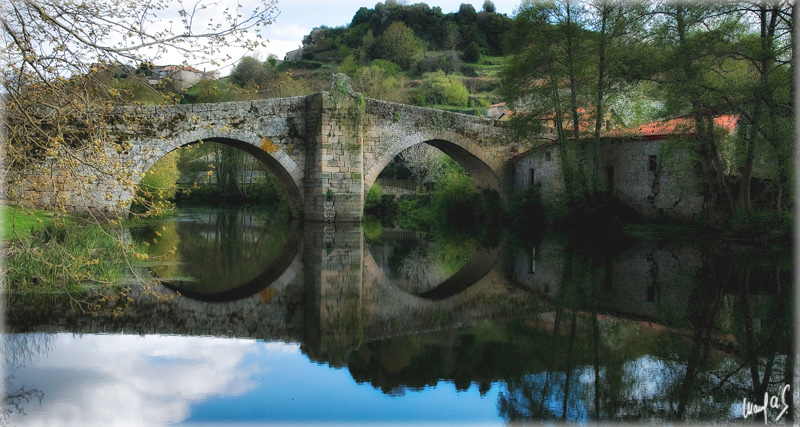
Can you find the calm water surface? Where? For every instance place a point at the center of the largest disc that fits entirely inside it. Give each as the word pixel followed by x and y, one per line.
pixel 260 320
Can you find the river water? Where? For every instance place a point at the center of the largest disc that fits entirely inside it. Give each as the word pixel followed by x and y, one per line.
pixel 259 320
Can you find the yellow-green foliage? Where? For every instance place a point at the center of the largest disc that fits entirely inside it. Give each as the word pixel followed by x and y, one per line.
pixel 439 88
pixel 66 256
pixel 159 182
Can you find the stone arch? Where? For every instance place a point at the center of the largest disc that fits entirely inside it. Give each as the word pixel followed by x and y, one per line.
pixel 289 173
pixel 465 152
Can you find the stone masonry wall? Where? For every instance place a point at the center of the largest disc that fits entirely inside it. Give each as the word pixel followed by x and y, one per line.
pixel 664 187
pixel 668 189
pixel 544 165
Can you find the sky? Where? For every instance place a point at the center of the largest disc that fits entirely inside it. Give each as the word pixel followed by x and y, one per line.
pixel 297 18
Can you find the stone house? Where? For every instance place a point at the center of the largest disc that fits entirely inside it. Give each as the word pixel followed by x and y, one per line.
pixel 294 55
pixel 181 77
pixel 647 167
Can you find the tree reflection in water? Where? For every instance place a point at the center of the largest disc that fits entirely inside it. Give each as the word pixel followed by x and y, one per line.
pixel 734 342
pixel 20 350
pixel 418 262
pixel 213 251
pixel 648 330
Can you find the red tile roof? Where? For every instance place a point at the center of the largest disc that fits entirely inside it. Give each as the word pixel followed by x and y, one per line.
pixel 672 127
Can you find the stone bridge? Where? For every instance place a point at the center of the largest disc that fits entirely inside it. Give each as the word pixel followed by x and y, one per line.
pixel 327 149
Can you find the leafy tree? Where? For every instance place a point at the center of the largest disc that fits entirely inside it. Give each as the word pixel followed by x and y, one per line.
pixel 399 45
pixel 764 96
pixel 691 40
pixel 542 78
pixel 390 68
pixel 250 73
pixel 466 14
pixel 439 88
pixel 349 65
pixel 473 52
pixel 376 82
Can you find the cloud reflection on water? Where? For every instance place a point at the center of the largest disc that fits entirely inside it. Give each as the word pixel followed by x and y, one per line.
pixel 135 380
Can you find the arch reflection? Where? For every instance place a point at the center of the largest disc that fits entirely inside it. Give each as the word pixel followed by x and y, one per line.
pixel 220 254
pixel 429 267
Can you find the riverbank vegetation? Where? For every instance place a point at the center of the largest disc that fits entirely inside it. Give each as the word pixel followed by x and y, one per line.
pixel 447 199
pixel 48 254
pixel 208 173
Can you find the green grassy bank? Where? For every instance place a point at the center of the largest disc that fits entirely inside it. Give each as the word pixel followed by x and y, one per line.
pixel 46 253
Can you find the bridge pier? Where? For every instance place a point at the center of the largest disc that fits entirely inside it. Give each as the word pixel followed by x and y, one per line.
pixel 334 175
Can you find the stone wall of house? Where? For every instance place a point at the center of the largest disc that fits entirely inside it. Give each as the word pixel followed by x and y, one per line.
pixel 541 169
pixel 654 177
pixel 651 176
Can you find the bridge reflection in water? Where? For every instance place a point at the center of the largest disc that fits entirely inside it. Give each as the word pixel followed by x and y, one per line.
pixel 644 329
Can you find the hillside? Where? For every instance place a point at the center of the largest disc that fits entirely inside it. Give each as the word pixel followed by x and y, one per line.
pixel 411 54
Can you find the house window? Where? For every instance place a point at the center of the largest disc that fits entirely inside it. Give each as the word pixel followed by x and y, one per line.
pixel 610 178
pixel 531 177
pixel 652 163
pixel 651 293
pixel 547 156
pixel 532 261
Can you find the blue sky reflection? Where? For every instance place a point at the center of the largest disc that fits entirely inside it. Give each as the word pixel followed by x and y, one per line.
pixel 163 380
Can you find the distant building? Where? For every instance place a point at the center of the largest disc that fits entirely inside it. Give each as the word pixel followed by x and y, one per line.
pixel 181 77
pixel 498 111
pixel 294 55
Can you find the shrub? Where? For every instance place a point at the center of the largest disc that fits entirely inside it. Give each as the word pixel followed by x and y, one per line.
pixel 415 212
pixel 454 200
pixel 439 88
pixel 762 224
pixel 472 53
pixel 373 198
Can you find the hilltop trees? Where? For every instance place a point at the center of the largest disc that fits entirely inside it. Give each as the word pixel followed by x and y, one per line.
pixel 437 31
